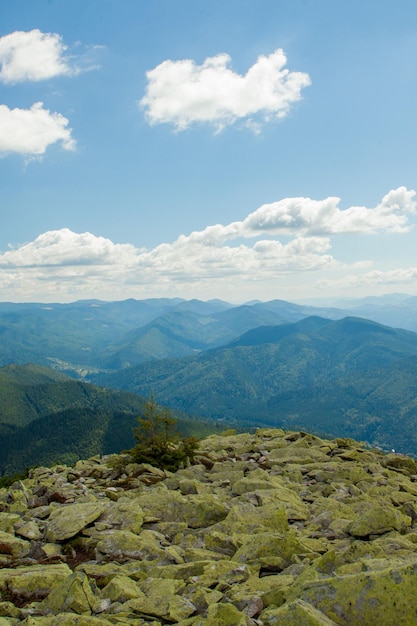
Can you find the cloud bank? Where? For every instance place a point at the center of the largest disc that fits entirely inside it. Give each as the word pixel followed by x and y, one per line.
pixel 245 253
pixel 183 93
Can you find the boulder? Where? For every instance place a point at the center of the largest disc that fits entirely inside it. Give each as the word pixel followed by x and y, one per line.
pixel 7 522
pixel 198 511
pixel 122 544
pixel 68 619
pixel 377 520
pixel 270 549
pixel 74 595
pixel 29 530
pixel 163 598
pixel 67 521
pixel 11 545
pixel 124 513
pixel 381 596
pixel 296 613
pixel 120 589
pixel 225 615
pixel 34 580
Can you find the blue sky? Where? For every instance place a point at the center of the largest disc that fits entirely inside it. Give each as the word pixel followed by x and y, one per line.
pixel 243 149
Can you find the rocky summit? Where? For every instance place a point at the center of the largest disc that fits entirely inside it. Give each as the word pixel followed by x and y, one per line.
pixel 268 529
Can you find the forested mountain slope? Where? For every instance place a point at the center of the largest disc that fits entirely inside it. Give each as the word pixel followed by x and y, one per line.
pixel 347 377
pixel 46 417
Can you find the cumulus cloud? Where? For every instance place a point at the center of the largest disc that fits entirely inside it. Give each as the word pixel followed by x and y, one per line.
pixel 31 131
pixel 324 217
pixel 33 56
pixel 65 248
pixel 241 255
pixel 305 217
pixel 62 264
pixel 182 92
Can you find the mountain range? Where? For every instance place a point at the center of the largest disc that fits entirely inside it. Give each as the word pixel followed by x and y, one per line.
pixel 322 369
pixel 92 335
pixel 349 377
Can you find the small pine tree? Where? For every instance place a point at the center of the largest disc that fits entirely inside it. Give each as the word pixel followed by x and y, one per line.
pixel 157 439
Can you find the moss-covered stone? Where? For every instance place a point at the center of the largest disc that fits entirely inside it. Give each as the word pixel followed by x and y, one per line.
pixel 33 580
pixel 225 615
pixel 74 594
pixel 270 548
pixel 296 613
pixel 377 520
pixel 13 546
pixel 124 513
pixel 162 598
pixel 7 522
pixel 325 533
pixel 66 521
pixel 383 596
pixel 120 589
pixel 121 544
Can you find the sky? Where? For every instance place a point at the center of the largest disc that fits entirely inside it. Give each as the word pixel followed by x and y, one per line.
pixel 234 149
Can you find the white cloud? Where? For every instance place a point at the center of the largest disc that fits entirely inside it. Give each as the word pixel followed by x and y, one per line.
pixel 182 92
pixel 64 265
pixel 215 262
pixel 33 56
pixel 397 277
pixel 324 217
pixel 31 131
pixel 65 248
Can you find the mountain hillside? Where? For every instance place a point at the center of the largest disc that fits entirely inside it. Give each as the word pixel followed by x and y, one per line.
pixel 47 417
pixel 91 335
pixel 274 528
pixel 335 377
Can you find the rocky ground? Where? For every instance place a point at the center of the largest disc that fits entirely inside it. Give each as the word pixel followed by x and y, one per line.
pixel 265 529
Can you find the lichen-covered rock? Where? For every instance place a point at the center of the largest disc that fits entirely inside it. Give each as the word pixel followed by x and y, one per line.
pixel 124 513
pixel 400 463
pixel 222 574
pixel 13 546
pixel 225 615
pixel 33 580
pixel 120 589
pixel 296 613
pixel 29 530
pixel 274 528
pixel 66 521
pixel 74 594
pixel 270 549
pixel 68 619
pixel 8 609
pixel 7 521
pixel 198 511
pixel 377 520
pixel 162 598
pixel 246 518
pixel 297 455
pixel 122 544
pixel 383 596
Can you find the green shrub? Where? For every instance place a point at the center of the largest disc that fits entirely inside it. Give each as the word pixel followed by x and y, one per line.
pixel 157 440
